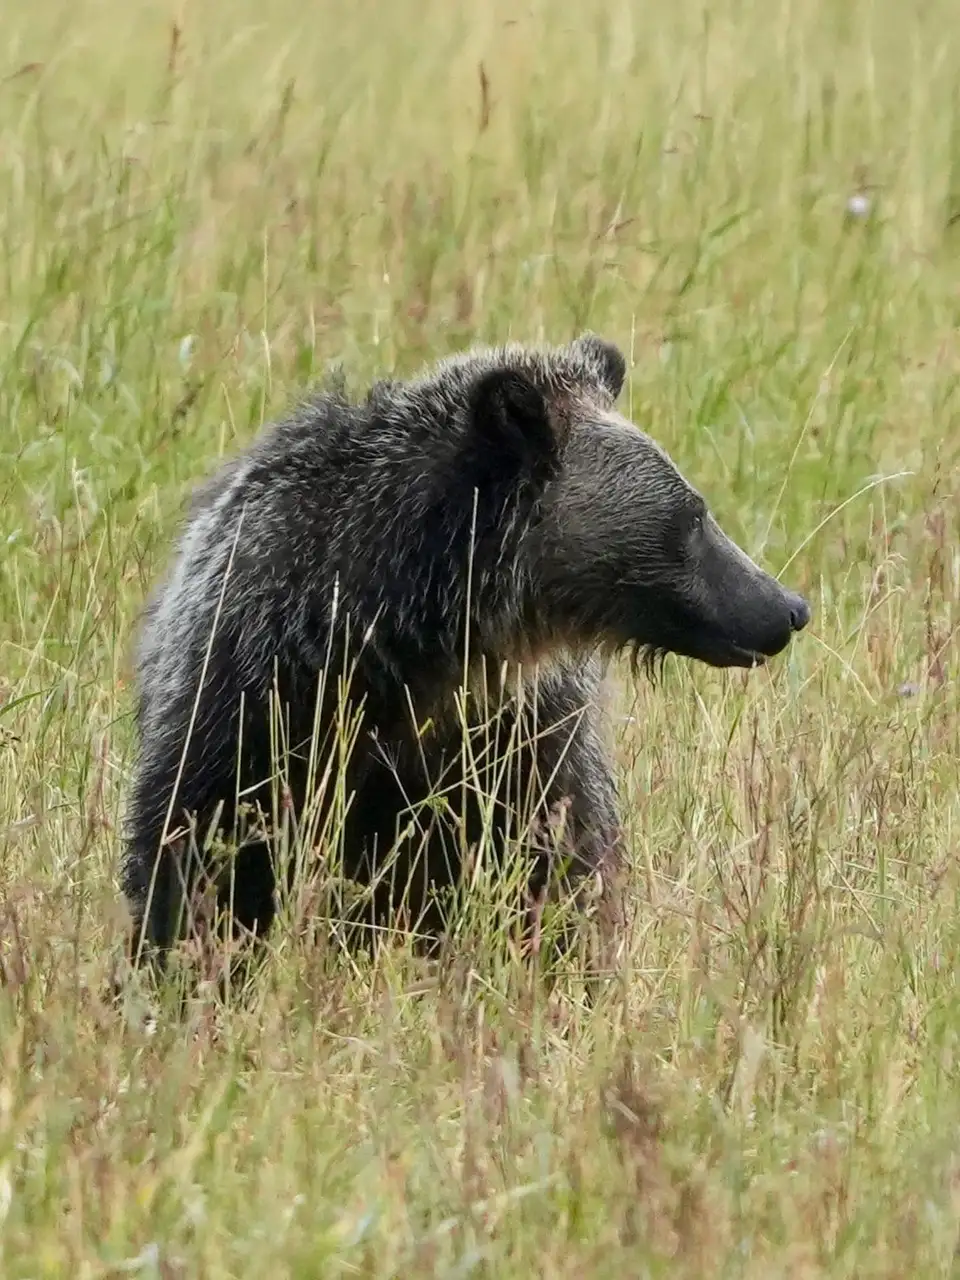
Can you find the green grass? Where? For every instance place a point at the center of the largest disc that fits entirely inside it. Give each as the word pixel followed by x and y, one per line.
pixel 196 218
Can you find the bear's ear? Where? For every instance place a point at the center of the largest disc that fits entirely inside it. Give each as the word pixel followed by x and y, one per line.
pixel 608 360
pixel 511 415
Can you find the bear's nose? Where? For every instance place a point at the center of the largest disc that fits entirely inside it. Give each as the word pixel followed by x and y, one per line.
pixel 799 613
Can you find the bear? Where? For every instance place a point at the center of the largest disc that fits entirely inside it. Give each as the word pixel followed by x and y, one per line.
pixel 468 547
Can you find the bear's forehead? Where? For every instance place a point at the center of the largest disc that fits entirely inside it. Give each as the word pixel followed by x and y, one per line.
pixel 609 429
pixel 558 370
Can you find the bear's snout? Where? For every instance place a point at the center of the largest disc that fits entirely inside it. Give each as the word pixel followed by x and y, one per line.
pixel 742 615
pixel 768 627
pixel 799 612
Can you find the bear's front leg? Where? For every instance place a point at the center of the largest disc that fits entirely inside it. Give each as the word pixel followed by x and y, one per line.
pixel 577 829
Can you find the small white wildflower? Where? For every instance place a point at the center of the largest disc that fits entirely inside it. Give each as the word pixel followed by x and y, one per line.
pixel 148 1259
pixel 858 205
pixel 187 344
pixel 6 1193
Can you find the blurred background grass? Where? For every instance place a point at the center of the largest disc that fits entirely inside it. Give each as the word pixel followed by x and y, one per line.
pixel 204 207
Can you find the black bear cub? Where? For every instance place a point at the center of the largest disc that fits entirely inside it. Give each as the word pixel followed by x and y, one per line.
pixel 494 525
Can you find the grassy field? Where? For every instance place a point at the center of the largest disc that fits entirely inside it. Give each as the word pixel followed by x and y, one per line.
pixel 201 209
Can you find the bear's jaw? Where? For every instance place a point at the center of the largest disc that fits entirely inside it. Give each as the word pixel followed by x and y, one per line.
pixel 721 652
pixel 734 656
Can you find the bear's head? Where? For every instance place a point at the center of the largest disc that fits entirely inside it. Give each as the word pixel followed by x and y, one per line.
pixel 622 551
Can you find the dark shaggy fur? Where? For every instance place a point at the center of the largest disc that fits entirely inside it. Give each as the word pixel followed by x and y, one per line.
pixel 498 508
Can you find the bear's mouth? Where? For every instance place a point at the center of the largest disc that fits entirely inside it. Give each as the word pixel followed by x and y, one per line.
pixel 720 651
pixel 734 656
pixel 727 654
pixel 687 636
